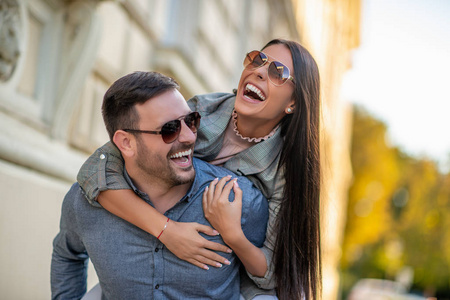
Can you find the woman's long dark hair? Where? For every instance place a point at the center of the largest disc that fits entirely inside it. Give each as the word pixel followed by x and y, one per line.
pixel 297 253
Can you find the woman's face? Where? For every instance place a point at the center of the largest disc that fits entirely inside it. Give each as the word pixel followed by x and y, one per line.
pixel 258 99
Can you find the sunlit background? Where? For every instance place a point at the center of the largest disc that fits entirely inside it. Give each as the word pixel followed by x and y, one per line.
pixel 399 204
pixel 401 73
pixel 385 71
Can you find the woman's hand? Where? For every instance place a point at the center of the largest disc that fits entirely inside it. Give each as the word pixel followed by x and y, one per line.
pixel 224 216
pixel 184 240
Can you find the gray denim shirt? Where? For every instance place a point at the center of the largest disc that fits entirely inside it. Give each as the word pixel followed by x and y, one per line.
pixel 132 264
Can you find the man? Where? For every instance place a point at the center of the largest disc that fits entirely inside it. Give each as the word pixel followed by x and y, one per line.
pixel 151 124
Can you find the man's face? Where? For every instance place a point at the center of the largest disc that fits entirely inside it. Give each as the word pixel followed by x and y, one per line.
pixel 171 164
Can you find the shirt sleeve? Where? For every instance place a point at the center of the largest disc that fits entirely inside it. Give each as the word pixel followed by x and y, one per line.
pixel 254 215
pixel 69 258
pixel 268 281
pixel 102 171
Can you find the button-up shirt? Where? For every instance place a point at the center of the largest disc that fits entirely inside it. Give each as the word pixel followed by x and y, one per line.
pixel 131 264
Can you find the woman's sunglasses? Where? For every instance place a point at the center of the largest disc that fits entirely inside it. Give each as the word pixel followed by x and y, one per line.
pixel 171 130
pixel 278 73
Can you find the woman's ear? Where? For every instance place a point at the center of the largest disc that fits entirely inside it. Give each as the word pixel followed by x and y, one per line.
pixel 126 142
pixel 292 104
pixel 290 108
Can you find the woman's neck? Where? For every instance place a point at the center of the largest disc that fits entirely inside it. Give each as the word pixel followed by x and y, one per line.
pixel 252 128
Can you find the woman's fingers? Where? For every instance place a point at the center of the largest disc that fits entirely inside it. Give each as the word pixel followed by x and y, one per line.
pixel 215 191
pixel 226 191
pixel 209 191
pixel 237 192
pixel 198 264
pixel 205 200
pixel 212 245
pixel 220 185
pixel 208 257
pixel 212 185
pixel 184 240
pixel 223 214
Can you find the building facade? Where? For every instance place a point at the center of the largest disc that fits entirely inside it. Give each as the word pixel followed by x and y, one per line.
pixel 58 57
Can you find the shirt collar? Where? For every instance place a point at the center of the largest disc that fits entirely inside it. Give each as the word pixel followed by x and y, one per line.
pixel 131 183
pixel 192 189
pixel 196 185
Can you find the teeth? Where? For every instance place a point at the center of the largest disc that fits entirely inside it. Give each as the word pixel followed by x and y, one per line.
pixel 254 89
pixel 181 154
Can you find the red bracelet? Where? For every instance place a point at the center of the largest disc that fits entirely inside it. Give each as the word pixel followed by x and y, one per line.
pixel 167 222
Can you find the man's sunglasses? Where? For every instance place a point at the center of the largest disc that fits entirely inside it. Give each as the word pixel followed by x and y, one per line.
pixel 278 73
pixel 171 130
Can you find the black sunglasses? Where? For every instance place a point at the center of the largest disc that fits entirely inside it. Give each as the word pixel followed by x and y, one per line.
pixel 171 130
pixel 278 72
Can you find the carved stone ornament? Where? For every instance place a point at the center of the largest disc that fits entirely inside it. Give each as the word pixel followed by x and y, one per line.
pixel 9 37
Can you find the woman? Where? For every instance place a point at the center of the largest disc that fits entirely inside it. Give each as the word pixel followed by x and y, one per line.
pixel 269 132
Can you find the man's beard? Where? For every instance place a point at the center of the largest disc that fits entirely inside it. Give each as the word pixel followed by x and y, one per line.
pixel 156 166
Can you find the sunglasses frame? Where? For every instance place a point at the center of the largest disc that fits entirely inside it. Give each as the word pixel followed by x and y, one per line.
pixel 196 119
pixel 265 59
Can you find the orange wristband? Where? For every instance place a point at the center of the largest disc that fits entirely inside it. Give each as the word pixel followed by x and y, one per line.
pixel 165 226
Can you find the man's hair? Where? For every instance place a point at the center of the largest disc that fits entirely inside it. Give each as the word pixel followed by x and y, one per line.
pixel 120 99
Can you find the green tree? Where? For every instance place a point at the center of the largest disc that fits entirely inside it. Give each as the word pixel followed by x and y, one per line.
pixel 376 176
pixel 398 213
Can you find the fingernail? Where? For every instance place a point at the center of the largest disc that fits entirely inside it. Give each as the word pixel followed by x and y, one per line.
pixel 219 265
pixel 227 262
pixel 229 176
pixel 235 183
pixel 216 232
pixel 206 267
pixel 229 251
pixel 206 189
pixel 216 179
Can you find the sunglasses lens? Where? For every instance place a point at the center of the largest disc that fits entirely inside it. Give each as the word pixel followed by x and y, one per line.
pixel 278 73
pixel 170 131
pixel 255 59
pixel 192 121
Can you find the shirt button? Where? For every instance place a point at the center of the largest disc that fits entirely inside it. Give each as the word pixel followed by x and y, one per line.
pixel 157 286
pixel 157 249
pixel 102 156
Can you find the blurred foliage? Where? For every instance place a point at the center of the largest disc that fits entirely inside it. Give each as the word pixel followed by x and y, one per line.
pixel 398 215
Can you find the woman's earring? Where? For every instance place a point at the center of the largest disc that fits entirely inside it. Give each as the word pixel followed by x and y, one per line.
pixel 288 110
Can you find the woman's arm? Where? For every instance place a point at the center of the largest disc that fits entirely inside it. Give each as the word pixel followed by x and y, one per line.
pixel 101 178
pixel 182 239
pixel 225 216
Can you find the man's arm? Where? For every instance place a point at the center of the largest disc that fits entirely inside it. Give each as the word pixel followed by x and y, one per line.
pixel 69 258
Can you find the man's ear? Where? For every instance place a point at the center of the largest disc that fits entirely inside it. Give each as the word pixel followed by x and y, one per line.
pixel 126 142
